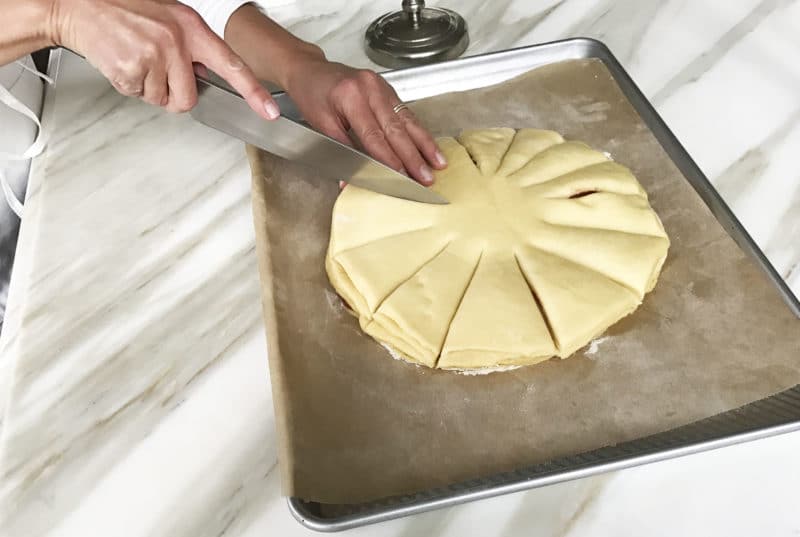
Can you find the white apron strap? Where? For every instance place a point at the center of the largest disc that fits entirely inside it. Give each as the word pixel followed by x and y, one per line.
pixel 33 150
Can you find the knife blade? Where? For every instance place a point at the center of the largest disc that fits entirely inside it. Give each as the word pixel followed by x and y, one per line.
pixel 225 110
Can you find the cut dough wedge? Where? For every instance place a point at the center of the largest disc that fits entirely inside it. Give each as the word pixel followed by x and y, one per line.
pixel 498 321
pixel 580 303
pixel 544 245
pixel 415 318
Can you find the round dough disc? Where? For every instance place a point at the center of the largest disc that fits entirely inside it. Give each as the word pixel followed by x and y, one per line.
pixel 544 245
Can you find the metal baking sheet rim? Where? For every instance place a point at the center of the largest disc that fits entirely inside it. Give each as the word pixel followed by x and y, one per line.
pixel 771 416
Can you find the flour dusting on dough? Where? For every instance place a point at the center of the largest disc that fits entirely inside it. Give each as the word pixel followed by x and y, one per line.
pixel 337 304
pixel 485 370
pixel 396 355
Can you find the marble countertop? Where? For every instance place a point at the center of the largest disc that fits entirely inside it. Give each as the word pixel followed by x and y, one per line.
pixel 134 393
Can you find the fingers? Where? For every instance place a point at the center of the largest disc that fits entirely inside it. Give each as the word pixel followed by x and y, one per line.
pixel 422 139
pixel 129 88
pixel 337 131
pixel 368 130
pixel 182 85
pixel 129 80
pixel 394 127
pixel 148 50
pixel 397 139
pixel 200 70
pixel 215 54
pixel 154 87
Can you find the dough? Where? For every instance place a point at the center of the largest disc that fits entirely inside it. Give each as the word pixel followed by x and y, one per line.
pixel 544 245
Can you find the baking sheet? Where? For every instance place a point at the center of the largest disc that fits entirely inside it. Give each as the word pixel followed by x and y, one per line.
pixel 356 425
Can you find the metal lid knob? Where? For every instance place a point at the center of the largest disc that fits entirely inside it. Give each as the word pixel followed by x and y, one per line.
pixel 416 35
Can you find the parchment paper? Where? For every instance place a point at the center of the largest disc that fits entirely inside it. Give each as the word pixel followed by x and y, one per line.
pixel 355 424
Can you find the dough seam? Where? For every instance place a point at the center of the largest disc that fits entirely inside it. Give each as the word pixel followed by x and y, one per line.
pixel 548 148
pixel 559 176
pixel 455 311
pixel 610 230
pixel 399 285
pixel 535 295
pixel 505 153
pixel 533 156
pixel 372 241
pixel 502 158
pixel 587 267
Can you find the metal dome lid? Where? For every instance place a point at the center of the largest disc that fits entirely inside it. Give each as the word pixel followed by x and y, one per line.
pixel 416 35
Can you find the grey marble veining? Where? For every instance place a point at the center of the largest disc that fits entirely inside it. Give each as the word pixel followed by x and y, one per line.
pixel 137 399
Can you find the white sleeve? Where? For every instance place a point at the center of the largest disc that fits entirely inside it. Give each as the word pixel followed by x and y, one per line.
pixel 216 12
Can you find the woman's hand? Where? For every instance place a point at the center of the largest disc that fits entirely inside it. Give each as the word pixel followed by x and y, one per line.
pixel 336 98
pixel 149 48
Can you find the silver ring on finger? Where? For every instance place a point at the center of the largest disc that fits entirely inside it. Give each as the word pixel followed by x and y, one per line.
pixel 399 108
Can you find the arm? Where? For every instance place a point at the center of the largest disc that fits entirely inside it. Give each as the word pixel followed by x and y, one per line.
pixel 28 29
pixel 333 97
pixel 146 48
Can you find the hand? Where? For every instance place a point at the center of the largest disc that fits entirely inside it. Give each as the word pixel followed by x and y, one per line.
pixel 148 49
pixel 336 98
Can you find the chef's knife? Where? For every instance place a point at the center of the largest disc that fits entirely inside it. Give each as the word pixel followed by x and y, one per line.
pixel 225 110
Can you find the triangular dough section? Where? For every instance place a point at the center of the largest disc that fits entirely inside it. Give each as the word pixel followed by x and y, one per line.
pixel 487 147
pixel 526 144
pixel 414 319
pixel 461 179
pixel 555 162
pixel 498 321
pixel 602 177
pixel 379 267
pixel 629 259
pixel 579 304
pixel 359 217
pixel 602 210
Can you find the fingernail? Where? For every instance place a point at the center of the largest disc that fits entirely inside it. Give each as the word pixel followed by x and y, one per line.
pixel 440 160
pixel 426 173
pixel 272 109
pixel 403 170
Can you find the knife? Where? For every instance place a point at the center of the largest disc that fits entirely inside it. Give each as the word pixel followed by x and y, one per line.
pixel 225 110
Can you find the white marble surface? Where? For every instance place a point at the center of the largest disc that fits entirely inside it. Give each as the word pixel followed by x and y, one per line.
pixel 134 390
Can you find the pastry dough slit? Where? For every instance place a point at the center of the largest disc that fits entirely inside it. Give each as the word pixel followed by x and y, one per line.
pixel 458 306
pixel 399 285
pixel 583 194
pixel 527 144
pixel 487 148
pixel 505 153
pixel 538 303
pixel 556 161
pixel 601 177
pixel 602 228
pixel 560 175
pixel 585 266
pixel 381 238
